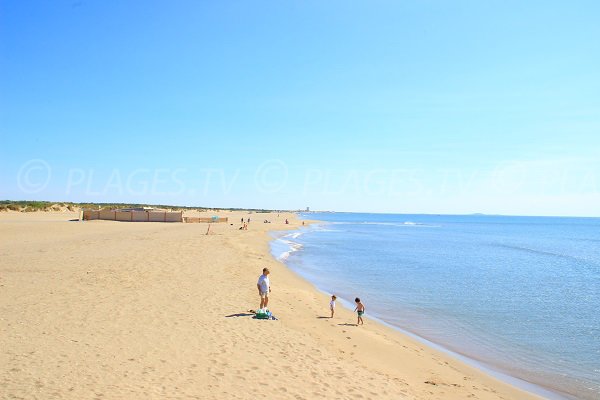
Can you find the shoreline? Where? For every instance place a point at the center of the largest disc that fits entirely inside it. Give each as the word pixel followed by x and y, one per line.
pixel 489 369
pixel 505 378
pixel 148 309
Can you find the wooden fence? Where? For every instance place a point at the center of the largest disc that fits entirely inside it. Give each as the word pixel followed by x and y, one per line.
pixel 133 216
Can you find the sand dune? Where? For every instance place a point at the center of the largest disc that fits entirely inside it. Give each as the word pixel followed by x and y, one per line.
pixel 109 310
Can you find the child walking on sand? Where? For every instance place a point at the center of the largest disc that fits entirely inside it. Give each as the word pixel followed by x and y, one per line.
pixel 332 305
pixel 360 310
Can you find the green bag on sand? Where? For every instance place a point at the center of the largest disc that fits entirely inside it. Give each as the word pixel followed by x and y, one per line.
pixel 263 314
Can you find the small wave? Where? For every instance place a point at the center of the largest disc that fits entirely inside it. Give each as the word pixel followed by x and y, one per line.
pixel 530 250
pixel 292 247
pixel 587 240
pixel 398 224
pixel 544 253
pixel 324 228
pixel 419 224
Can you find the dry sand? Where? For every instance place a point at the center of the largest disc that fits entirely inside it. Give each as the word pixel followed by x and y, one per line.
pixel 118 310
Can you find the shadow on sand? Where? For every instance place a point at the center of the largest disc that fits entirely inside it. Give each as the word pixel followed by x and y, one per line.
pixel 239 315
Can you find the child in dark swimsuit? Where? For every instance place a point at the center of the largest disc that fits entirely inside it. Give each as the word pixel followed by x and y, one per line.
pixel 360 310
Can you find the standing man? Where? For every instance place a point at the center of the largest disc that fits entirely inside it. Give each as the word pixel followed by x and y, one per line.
pixel 264 287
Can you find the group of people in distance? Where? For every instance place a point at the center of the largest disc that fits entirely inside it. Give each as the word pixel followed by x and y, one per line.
pixel 264 288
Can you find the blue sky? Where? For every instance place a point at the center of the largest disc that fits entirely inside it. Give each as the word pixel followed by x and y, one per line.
pixel 400 106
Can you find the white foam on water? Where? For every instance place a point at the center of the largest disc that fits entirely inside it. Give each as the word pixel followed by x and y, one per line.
pixel 396 224
pixel 291 247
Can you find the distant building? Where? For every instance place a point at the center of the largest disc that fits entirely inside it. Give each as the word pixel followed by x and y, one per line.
pixel 307 209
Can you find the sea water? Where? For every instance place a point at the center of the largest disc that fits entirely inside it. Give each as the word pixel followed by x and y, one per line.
pixel 515 295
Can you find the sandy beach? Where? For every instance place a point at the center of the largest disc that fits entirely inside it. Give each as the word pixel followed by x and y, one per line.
pixel 117 310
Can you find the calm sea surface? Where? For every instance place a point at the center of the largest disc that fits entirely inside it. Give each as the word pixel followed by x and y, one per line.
pixel 518 295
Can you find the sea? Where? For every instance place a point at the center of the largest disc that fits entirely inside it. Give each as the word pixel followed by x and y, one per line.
pixel 518 297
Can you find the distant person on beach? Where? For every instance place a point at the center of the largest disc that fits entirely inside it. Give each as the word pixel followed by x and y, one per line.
pixel 286 221
pixel 264 287
pixel 360 310
pixel 332 305
pixel 242 220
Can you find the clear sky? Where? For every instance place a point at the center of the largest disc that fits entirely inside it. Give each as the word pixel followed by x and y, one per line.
pixel 373 106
